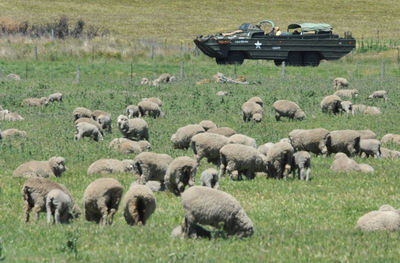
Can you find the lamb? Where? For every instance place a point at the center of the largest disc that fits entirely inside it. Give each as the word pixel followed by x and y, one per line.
pixel 370 147
pixel 97 113
pixel 366 134
pixel 286 108
pixel 252 111
pixel 58 206
pixel 132 111
pixel 339 83
pixel 12 133
pixel 195 232
pixel 359 108
pixel 386 218
pixel 181 138
pixel 347 107
pixel 264 149
pixel 126 146
pixel 155 100
pixel 379 94
pixel 55 166
pixel 344 164
pixel 92 122
pixel 81 112
pixel 10 116
pixel 55 97
pixel 225 131
pixel 151 166
pixel 101 200
pixel 85 129
pixel 35 102
pixel 257 100
pixel 207 206
pixel 345 141
pixel 366 168
pixel 209 178
pixel 242 139
pixel 301 161
pixel 105 122
pixel 372 110
pixel 133 128
pixel 149 108
pixel 110 166
pixel 207 125
pixel 13 76
pixel 313 140
pixel 139 204
pixel 279 160
pixel 331 104
pixel 180 173
pixel 34 193
pixel 387 153
pixel 391 138
pixel 349 93
pixel 208 145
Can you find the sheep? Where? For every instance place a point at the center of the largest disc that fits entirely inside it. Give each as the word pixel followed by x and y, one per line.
pixel 155 186
pixel 12 133
pixel 81 112
pixel 209 178
pixel 379 94
pixel 370 147
pixel 349 93
pixel 257 100
pixel 346 141
pixel 35 102
pixel 155 100
pixel 344 164
pixel 92 122
pixel 195 232
pixel 252 111
pixel 264 149
pixel 151 166
pixel 54 167
pixel 163 78
pixel 391 138
pixel 208 145
pixel 387 153
pixel 207 125
pixel 34 193
pixel 221 93
pixel 359 108
pixel 97 113
pixel 287 108
pixel 242 139
pixel 85 129
pixel 55 97
pixel 105 122
pixel 110 166
pixel 13 76
pixel 58 206
pixel 313 140
pixel 366 168
pixel 279 160
pixel 126 146
pixel 149 108
pixel 366 134
pixel 181 138
pixel 386 218
pixel 301 161
pixel 145 81
pixel 347 106
pixel 139 204
pixel 133 128
pixel 10 116
pixel 181 172
pixel 132 111
pixel 207 206
pixel 225 131
pixel 372 110
pixel 101 200
pixel 331 104
pixel 340 83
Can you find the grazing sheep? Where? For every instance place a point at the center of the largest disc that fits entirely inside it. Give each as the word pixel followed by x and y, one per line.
pixel 345 141
pixel 10 116
pixel 195 232
pixel 347 107
pixel 391 138
pixel 391 154
pixel 81 112
pixel 148 108
pixel 12 133
pixel 242 139
pixel 339 83
pixel 279 160
pixel 207 206
pixel 370 147
pixel 151 166
pixel 85 129
pixel 91 121
pixel 163 78
pixel 126 146
pixel 386 218
pixel 359 108
pixel 313 140
pixel 13 76
pixel 97 113
pixel 155 100
pixel 139 204
pixel 101 200
pixel 155 186
pixel 208 145
pixel 35 102
pixel 331 104
pixel 287 108
pixel 209 178
pixel 366 168
pixel 252 111
pixel 225 131
pixel 264 149
pixel 34 193
pixel 55 166
pixel 145 81
pixel 366 134
pixel 344 164
pixel 372 110
pixel 379 94
pixel 348 93
pixel 301 161
pixel 58 206
pixel 135 128
pixel 55 97
pixel 181 138
pixel 105 122
pixel 257 100
pixel 180 173
pixel 207 124
pixel 132 111
pixel 110 166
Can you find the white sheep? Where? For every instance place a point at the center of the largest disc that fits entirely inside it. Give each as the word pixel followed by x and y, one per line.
pixel 345 141
pixel 210 178
pixel 279 160
pixel 58 206
pixel 55 97
pixel 207 124
pixel 181 172
pixel 148 108
pixel 257 100
pixel 225 131
pixel 348 93
pixel 110 166
pixel 372 110
pixel 301 161
pixel 221 93
pixel 163 78
pixel 391 138
pixel 13 76
pixel 85 129
pixel 55 166
pixel 252 111
pixel 132 111
pixel 313 140
pixel 10 116
pixel 339 83
pixel 391 154
pixel 207 206
pixel 135 128
pixel 207 145
pixel 151 166
pixel 12 133
pixel 181 138
pixel 155 100
pixel 331 104
pixel 386 218
pixel 126 146
pixel 196 231
pixel 344 164
pixel 370 147
pixel 347 106
pixel 105 122
pixel 287 108
pixel 359 108
pixel 81 112
pixel 379 94
pixel 366 134
pixel 101 200
pixel 139 204
pixel 91 121
pixel 242 139
pixel 35 102
pixel 264 149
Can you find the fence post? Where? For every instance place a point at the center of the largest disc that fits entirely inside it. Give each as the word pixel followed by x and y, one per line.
pixel 35 52
pixel 78 74
pixel 383 70
pixel 182 70
pixel 283 69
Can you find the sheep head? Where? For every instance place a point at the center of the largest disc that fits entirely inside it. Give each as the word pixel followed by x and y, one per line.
pixel 300 115
pixel 123 122
pixel 57 164
pixel 128 166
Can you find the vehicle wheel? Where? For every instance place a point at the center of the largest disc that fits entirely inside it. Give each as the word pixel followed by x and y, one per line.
pixel 311 59
pixel 235 58
pixel 278 62
pixel 221 61
pixel 295 59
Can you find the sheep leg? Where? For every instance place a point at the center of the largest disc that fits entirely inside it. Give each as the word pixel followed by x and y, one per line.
pixel 111 216
pixel 57 216
pixel 27 209
pixel 222 166
pixel 286 171
pixel 308 174
pixel 301 173
pixel 277 116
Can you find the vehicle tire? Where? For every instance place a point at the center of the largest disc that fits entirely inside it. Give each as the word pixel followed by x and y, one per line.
pixel 278 62
pixel 221 61
pixel 235 58
pixel 295 59
pixel 311 59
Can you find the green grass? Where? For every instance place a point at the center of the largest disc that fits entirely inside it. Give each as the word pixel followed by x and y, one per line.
pixel 294 221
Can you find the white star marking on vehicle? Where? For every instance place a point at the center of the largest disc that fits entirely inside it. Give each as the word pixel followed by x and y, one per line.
pixel 258 44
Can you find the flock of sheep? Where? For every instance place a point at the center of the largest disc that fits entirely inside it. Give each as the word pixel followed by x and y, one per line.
pixel 236 155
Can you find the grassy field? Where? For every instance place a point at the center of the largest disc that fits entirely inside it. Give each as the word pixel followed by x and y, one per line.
pixel 294 221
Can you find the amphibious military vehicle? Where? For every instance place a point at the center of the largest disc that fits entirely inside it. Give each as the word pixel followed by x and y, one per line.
pixel 303 44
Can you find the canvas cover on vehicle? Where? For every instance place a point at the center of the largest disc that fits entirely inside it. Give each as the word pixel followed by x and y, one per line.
pixel 311 27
